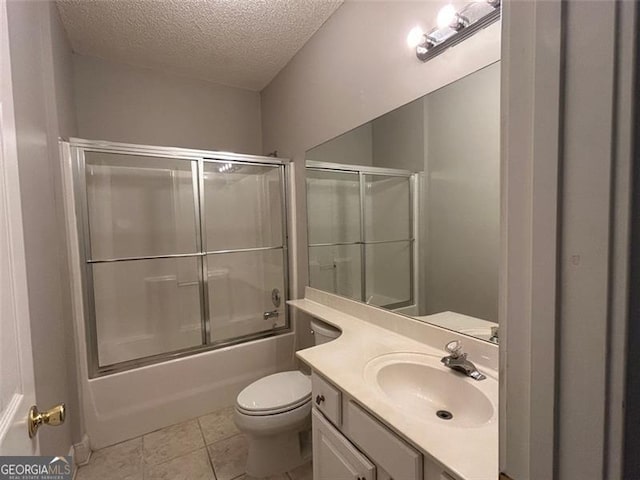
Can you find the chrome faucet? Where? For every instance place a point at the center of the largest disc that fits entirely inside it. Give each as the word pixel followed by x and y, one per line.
pixel 272 314
pixel 457 360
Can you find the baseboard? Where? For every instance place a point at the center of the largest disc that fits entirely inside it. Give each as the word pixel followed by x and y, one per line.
pixel 71 453
pixel 81 451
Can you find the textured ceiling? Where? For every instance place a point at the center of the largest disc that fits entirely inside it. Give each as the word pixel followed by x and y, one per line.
pixel 241 43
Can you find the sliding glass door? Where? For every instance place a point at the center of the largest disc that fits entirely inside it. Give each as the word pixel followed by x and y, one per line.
pixel 334 232
pixel 360 232
pixel 182 252
pixel 244 243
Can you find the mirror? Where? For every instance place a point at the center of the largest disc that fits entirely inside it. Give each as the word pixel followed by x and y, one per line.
pixel 404 211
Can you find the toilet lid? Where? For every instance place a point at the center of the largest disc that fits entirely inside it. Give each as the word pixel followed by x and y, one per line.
pixel 275 393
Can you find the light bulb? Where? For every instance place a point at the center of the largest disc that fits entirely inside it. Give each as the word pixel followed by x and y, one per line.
pixel 446 16
pixel 415 37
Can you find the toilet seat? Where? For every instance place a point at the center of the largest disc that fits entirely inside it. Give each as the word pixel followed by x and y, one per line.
pixel 277 393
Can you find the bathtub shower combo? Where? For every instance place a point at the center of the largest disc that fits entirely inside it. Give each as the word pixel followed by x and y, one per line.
pixel 177 252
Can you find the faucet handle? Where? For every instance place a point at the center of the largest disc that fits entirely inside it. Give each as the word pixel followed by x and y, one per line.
pixel 454 348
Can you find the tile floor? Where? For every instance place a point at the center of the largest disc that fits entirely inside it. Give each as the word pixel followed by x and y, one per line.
pixel 206 448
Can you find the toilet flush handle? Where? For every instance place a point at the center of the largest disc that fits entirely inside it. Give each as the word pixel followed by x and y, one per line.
pixel 319 399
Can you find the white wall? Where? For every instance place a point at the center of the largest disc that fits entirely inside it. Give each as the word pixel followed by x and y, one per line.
pixel 357 67
pixel 129 104
pixel 40 61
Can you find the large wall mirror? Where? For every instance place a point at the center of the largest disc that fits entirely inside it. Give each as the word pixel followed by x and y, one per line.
pixel 404 211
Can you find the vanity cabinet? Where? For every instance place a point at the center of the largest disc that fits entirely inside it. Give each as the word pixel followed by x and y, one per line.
pixel 351 444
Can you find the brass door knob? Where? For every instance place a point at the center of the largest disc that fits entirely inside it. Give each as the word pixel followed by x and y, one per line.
pixel 54 416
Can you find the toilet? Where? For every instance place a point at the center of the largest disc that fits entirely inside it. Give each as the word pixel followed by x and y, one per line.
pixel 274 413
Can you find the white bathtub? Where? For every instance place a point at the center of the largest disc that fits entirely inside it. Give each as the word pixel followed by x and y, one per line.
pixel 128 404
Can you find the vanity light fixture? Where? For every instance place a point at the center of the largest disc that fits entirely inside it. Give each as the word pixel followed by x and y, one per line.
pixel 415 37
pixel 448 17
pixel 453 27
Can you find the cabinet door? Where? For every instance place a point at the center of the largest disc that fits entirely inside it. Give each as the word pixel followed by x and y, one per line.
pixel 334 458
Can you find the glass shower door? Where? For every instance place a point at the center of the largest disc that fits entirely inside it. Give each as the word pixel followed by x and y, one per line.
pixel 244 240
pixel 334 228
pixel 143 255
pixel 388 240
pixel 360 226
pixel 183 251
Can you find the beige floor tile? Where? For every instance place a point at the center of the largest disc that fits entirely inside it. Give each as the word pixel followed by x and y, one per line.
pixel 119 462
pixel 172 442
pixel 229 457
pixel 303 472
pixel 272 477
pixel 218 425
pixel 192 466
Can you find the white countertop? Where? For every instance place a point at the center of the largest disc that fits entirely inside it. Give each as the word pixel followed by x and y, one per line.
pixel 472 326
pixel 470 452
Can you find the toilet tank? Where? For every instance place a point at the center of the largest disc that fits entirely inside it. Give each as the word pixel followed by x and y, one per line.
pixel 323 332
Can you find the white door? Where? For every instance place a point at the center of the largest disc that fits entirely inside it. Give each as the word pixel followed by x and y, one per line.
pixel 17 392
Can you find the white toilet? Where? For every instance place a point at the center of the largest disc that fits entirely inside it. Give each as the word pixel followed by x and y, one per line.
pixel 274 413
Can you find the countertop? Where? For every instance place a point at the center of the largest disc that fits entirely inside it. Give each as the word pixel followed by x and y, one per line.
pixel 470 453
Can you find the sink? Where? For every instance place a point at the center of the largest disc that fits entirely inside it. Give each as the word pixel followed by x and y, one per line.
pixel 420 385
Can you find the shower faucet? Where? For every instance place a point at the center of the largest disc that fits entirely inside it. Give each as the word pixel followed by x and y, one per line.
pixel 271 314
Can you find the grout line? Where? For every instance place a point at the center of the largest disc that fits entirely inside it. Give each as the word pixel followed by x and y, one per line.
pixel 204 440
pixel 165 460
pixel 206 449
pixel 143 464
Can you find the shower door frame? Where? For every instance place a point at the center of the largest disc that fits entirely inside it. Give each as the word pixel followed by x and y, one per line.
pixel 73 150
pixel 362 171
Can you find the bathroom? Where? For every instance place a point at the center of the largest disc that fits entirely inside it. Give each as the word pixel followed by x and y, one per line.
pixel 187 186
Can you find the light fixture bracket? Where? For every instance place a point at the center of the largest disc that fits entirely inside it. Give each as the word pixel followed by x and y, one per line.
pixel 440 39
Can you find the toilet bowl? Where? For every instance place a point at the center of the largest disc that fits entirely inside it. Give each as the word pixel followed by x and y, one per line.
pixel 274 413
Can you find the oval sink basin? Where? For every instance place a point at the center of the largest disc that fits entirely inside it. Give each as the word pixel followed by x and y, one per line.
pixel 420 385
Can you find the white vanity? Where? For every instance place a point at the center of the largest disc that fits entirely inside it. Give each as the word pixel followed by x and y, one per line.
pixel 385 407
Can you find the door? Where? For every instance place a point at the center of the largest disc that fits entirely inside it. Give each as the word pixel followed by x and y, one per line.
pixel 334 458
pixel 17 392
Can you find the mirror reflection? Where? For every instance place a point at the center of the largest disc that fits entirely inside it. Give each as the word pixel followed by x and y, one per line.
pixel 404 211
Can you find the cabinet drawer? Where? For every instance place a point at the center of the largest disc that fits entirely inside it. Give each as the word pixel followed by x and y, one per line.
pixel 400 460
pixel 327 399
